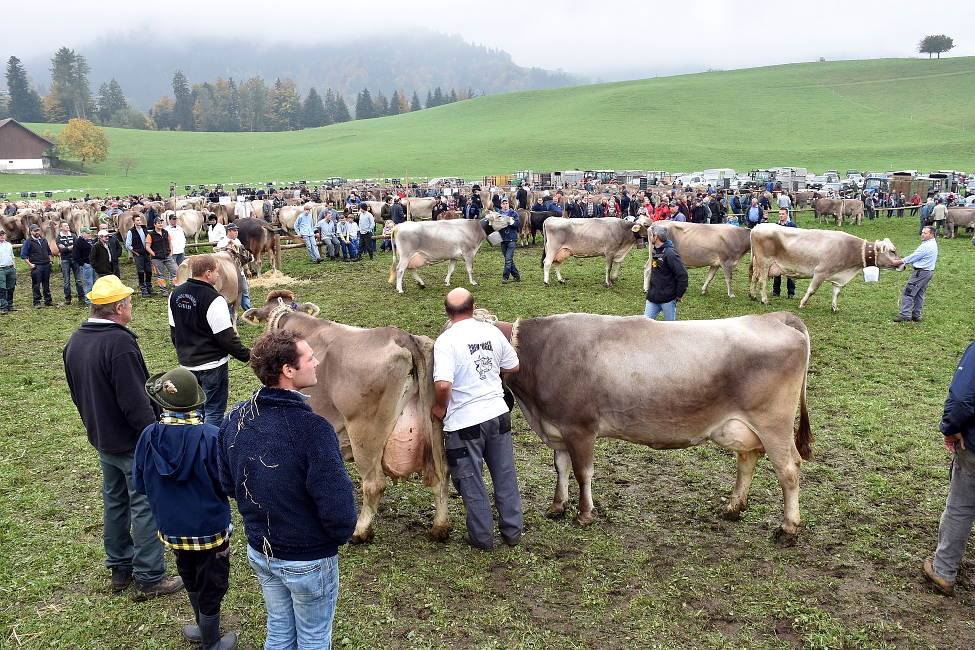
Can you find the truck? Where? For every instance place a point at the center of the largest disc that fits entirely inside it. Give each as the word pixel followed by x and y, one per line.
pixel 601 175
pixel 626 176
pixel 790 178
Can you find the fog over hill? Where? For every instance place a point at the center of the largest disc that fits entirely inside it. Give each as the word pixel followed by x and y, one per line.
pixel 144 64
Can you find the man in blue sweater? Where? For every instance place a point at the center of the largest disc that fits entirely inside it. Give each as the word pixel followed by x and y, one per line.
pixel 958 429
pixel 282 464
pixel 175 466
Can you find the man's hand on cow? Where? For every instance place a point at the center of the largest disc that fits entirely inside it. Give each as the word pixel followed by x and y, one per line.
pixel 953 441
pixel 438 412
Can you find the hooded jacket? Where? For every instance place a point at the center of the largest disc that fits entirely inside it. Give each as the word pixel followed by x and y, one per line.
pixel 668 279
pixel 959 414
pixel 175 465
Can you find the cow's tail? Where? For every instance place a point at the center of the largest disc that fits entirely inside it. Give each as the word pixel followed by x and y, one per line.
pixel 804 437
pixel 421 349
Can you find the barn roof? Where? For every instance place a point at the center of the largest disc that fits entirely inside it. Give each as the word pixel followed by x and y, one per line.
pixel 19 142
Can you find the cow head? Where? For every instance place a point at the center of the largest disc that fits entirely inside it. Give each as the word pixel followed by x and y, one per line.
pixel 279 302
pixel 641 227
pixel 886 253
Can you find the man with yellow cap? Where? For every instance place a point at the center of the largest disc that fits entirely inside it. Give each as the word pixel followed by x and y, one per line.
pixel 106 374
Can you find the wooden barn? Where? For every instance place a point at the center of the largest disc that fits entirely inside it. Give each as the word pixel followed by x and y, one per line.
pixel 21 150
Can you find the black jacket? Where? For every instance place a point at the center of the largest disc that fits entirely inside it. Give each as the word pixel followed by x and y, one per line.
pixel 668 279
pixel 107 376
pixel 98 258
pixel 196 343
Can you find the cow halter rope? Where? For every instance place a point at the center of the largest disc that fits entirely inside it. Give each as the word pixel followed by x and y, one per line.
pixel 868 254
pixel 279 311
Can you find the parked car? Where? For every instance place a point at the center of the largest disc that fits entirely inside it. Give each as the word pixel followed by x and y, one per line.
pixel 817 182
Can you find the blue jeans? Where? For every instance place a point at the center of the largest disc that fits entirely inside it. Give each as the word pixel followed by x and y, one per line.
pixel 956 521
pixel 67 268
pixel 668 308
pixel 300 597
pixel 89 274
pixel 349 249
pixel 215 384
pixel 312 247
pixel 8 280
pixel 131 542
pixel 508 248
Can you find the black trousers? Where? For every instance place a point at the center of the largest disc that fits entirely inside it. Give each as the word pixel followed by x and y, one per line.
pixel 206 573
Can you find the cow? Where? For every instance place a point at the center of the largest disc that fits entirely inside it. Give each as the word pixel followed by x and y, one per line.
pixel 609 236
pixel 228 282
pixel 959 217
pixel 257 236
pixel 669 386
pixel 823 255
pixel 14 228
pixel 191 222
pixel 416 244
pixel 839 208
pixel 224 212
pixel 531 223
pixel 419 208
pixel 803 199
pixel 287 216
pixel 376 388
pixel 717 246
pixel 186 203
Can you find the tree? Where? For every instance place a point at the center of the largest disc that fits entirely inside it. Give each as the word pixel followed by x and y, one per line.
pixel 69 83
pixel 313 111
pixel 84 141
pixel 111 100
pixel 429 103
pixel 415 102
pixel 253 104
pixel 25 104
pixel 285 105
pixel 162 113
pixel 452 97
pixel 183 118
pixel 399 105
pixel 364 108
pixel 935 45
pixel 125 163
pixel 380 105
pixel 341 110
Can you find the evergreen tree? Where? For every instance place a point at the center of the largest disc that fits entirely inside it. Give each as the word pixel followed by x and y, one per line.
pixel 380 105
pixel 285 106
pixel 111 100
pixel 313 111
pixel 341 110
pixel 183 118
pixel 364 108
pixel 253 104
pixel 415 102
pixel 429 103
pixel 330 107
pixel 231 118
pixel 398 104
pixel 438 99
pixel 69 83
pixel 453 96
pixel 25 104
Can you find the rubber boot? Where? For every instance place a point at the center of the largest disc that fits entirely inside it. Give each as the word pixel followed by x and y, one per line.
pixel 192 632
pixel 210 633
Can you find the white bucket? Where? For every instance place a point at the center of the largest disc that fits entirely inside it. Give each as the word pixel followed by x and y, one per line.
pixel 494 238
pixel 871 274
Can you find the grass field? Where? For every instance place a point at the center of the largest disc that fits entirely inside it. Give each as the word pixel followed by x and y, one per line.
pixel 869 115
pixel 658 568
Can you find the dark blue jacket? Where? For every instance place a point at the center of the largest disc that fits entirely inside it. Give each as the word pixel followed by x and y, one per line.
pixel 668 279
pixel 175 465
pixel 510 233
pixel 959 415
pixel 282 464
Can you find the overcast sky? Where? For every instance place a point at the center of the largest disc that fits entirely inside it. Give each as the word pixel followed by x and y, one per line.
pixel 611 41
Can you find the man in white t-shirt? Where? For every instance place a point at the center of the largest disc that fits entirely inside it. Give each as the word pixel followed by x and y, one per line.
pixel 177 237
pixel 467 361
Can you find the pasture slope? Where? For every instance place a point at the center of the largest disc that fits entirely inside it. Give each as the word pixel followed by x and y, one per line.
pixel 658 568
pixel 869 115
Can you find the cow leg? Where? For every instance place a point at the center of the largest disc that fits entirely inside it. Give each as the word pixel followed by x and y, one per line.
pixel 580 445
pixel 813 287
pixel 728 268
pixel 400 271
pixel 561 498
pixel 646 274
pixel 786 464
pixel 367 450
pixel 760 282
pixel 558 272
pixel 419 280
pixel 451 265
pixel 707 280
pixel 546 267
pixel 836 294
pixel 746 471
pixel 609 268
pixel 469 262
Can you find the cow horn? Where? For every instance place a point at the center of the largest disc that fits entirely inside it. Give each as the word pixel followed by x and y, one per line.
pixel 311 308
pixel 251 316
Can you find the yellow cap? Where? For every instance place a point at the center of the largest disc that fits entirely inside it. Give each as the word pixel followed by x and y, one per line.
pixel 108 289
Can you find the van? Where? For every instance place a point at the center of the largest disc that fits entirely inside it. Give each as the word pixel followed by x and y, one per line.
pixel 446 180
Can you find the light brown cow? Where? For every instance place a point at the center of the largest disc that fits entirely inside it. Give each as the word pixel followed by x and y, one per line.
pixel 418 209
pixel 963 217
pixel 376 388
pixel 229 283
pixel 191 221
pixel 839 208
pixel 823 255
pixel 610 237
pixel 684 387
pixel 718 246
pixel 420 243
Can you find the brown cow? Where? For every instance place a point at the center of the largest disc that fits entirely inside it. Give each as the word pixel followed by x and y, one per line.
pixel 959 217
pixel 823 255
pixel 684 387
pixel 609 236
pixel 718 246
pixel 376 388
pixel 229 283
pixel 257 236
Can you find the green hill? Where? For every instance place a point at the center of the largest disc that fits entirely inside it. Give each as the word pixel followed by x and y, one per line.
pixel 869 115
